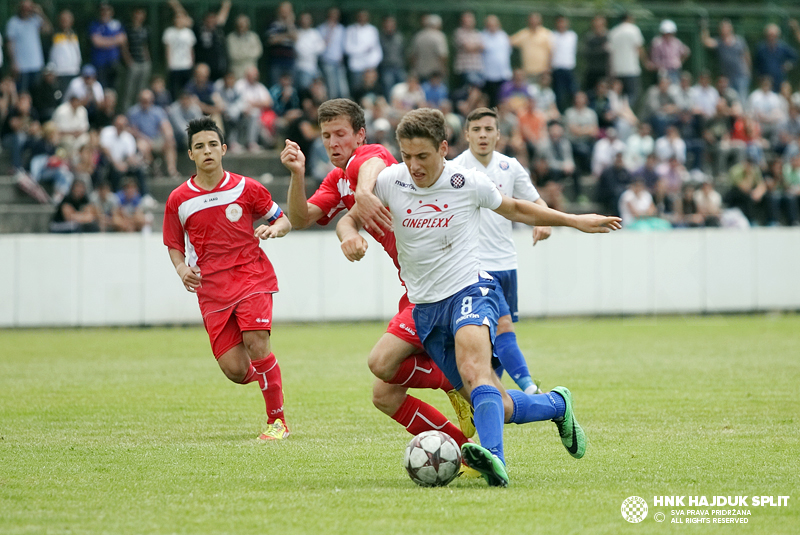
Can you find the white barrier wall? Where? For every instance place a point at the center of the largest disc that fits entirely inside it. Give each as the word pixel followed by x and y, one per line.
pixel 110 279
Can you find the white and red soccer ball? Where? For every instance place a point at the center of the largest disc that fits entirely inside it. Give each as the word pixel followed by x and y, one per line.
pixel 432 459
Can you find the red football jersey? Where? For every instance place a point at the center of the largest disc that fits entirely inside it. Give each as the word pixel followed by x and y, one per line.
pixel 337 192
pixel 214 230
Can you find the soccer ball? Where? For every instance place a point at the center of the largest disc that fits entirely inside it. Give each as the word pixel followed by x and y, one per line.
pixel 432 459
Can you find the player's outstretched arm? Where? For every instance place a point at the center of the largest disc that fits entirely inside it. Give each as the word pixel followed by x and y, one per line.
pixel 278 229
pixel 190 276
pixel 302 214
pixel 375 216
pixel 354 246
pixel 533 214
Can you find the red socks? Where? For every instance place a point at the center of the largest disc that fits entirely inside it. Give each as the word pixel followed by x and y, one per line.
pixel 417 416
pixel 419 371
pixel 268 374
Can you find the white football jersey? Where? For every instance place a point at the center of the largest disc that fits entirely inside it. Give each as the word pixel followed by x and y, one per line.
pixel 436 228
pixel 497 252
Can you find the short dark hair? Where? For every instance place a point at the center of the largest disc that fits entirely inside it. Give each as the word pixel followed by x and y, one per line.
pixel 204 124
pixel 426 123
pixel 479 113
pixel 342 107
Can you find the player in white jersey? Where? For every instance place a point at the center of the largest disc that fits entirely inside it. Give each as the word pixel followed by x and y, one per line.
pixel 435 207
pixel 497 252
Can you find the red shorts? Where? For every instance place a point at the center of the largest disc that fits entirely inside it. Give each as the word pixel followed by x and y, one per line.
pixel 402 326
pixel 225 327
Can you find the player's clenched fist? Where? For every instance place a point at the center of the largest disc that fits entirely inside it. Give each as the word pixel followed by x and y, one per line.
pixel 293 158
pixel 354 247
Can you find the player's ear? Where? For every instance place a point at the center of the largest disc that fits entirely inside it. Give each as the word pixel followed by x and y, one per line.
pixel 443 148
pixel 224 149
pixel 361 135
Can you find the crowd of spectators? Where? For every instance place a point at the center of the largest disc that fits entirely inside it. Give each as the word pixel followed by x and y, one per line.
pixel 721 150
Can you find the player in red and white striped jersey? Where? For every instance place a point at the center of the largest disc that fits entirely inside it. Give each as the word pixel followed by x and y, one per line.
pixel 208 229
pixel 398 360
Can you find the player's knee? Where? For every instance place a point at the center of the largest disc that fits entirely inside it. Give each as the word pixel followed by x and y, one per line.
pixel 387 398
pixel 256 348
pixel 505 325
pixel 235 371
pixel 380 366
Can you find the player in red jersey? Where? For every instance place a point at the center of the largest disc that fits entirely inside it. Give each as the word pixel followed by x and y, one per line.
pixel 208 229
pixel 398 360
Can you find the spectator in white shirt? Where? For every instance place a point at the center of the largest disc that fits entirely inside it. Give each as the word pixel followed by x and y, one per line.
pixel 363 48
pixel 625 46
pixel 86 88
pixel 120 155
pixel 704 97
pixel 332 58
pixel 65 53
pixel 308 47
pixel 671 145
pixel 766 107
pixel 638 147
pixel 256 99
pixel 179 41
pixel 605 150
pixel 565 48
pixel 496 58
pixel 71 120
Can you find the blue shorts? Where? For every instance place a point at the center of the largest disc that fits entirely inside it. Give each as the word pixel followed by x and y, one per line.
pixel 507 292
pixel 438 322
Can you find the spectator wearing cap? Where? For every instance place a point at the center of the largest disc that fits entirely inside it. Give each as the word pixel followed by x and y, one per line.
pixel 65 51
pixel 87 88
pixel 774 57
pixel 24 44
pixel 667 52
pixel 107 37
pixel 47 93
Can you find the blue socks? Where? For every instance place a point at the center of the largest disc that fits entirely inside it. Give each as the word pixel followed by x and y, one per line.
pixel 536 407
pixel 489 418
pixel 512 359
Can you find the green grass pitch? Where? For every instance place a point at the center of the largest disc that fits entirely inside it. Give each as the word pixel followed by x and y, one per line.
pixel 136 431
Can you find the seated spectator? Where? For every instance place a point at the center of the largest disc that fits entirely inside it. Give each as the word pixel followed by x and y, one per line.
pixel 671 145
pixel 120 155
pixel 285 97
pixel 103 115
pixel 47 163
pixel 747 189
pixel 638 147
pixel 580 122
pixel 636 205
pixel 46 94
pixel 781 204
pixel 71 120
pixel 600 102
pixel 668 201
pixel 747 132
pixel 660 106
pixel 551 189
pixel 435 90
pixel 162 97
pixel 704 97
pixel 626 120
pixel 605 151
pixel 613 181
pixel 201 86
pixel 791 179
pixel 717 137
pixel 75 213
pixel 671 177
pixel 557 150
pixel 86 162
pixel 766 107
pixel 546 97
pixel 150 126
pixel 86 88
pixel 532 127
pixel 683 92
pixel 131 207
pixel 257 101
pixel 689 131
pixel 231 104
pixel 732 105
pixel 106 204
pixel 181 112
pixel 408 95
pixel 649 172
pixel 16 127
pixel 515 91
pixel 371 87
pixel 708 202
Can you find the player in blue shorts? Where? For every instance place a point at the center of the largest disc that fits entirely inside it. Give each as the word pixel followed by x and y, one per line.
pixel 435 207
